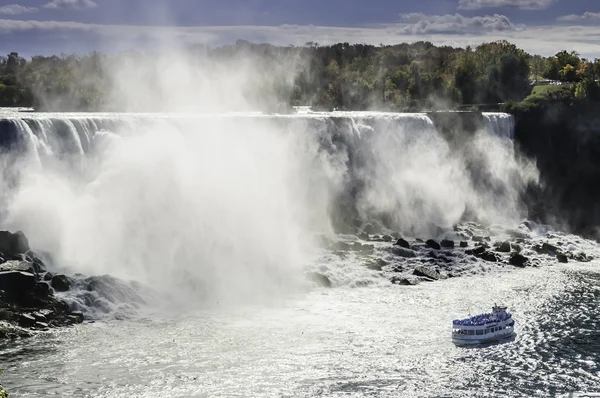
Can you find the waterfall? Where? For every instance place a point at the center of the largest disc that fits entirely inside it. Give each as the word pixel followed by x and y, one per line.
pixel 221 203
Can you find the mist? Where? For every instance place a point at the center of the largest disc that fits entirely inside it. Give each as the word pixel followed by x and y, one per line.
pixel 205 199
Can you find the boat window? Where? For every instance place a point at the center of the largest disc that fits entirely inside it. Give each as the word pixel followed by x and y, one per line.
pixel 471 332
pixel 479 332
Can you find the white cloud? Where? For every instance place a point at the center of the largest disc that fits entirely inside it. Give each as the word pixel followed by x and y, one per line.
pixel 581 17
pixel 74 4
pixel 419 23
pixel 521 4
pixel 16 9
pixel 74 36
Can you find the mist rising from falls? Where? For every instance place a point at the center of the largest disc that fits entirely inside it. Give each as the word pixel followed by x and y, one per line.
pixel 224 207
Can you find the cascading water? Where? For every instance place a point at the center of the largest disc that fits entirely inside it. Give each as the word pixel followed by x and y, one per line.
pixel 225 206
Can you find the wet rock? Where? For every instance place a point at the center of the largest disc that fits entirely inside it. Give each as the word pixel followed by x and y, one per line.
pixel 387 238
pixel 546 248
pixel 17 265
pixel 433 244
pixel 403 252
pixel 478 251
pixel 61 283
pixel 39 317
pixel 504 247
pixel 404 281
pixel 41 326
pixel 518 260
pixel 78 315
pixel 319 279
pixel 582 257
pixel 489 256
pixel 402 243
pixel 48 276
pixel 426 272
pixel 419 240
pixel 11 244
pixel 516 247
pixel 448 244
pixel 26 320
pixel 562 258
pixel 464 244
pixel 16 282
pixel 42 290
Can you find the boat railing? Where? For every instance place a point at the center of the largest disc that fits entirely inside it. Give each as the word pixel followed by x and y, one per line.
pixel 481 320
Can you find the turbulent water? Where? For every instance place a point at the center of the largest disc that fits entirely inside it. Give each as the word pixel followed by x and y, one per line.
pixel 212 222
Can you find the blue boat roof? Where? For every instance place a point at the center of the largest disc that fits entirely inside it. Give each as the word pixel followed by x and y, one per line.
pixel 483 319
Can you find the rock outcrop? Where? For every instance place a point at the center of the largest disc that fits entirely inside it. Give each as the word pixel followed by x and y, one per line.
pixel 27 300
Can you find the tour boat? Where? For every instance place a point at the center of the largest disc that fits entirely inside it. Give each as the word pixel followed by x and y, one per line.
pixel 484 328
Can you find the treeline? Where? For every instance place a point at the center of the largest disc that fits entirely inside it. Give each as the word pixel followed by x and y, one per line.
pixel 342 76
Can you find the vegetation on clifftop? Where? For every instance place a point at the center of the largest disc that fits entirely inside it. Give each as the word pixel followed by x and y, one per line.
pixel 343 76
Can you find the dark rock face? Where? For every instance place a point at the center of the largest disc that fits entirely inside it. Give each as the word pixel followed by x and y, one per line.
pixel 61 283
pixel 464 244
pixel 433 244
pixel 448 244
pixel 402 243
pixel 518 260
pixel 402 252
pixel 27 301
pixel 504 247
pixel 562 258
pixel 11 244
pixel 427 273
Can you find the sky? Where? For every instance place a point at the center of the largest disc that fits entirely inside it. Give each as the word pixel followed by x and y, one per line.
pixel 45 27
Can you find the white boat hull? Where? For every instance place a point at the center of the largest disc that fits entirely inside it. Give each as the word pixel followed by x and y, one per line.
pixel 475 340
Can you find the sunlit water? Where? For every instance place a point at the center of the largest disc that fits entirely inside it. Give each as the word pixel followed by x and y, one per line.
pixel 374 341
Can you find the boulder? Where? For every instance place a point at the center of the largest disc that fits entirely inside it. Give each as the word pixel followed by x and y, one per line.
pixel 504 247
pixel 77 315
pixel 426 272
pixel 387 238
pixel 562 258
pixel 402 243
pixel 464 244
pixel 518 260
pixel 16 265
pixel 433 244
pixel 402 252
pixel 489 256
pixel 16 282
pixel 27 320
pixel 319 279
pixel 448 244
pixel 42 289
pixel 11 244
pixel 61 283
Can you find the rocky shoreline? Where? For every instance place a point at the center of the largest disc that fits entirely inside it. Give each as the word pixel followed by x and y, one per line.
pixel 27 291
